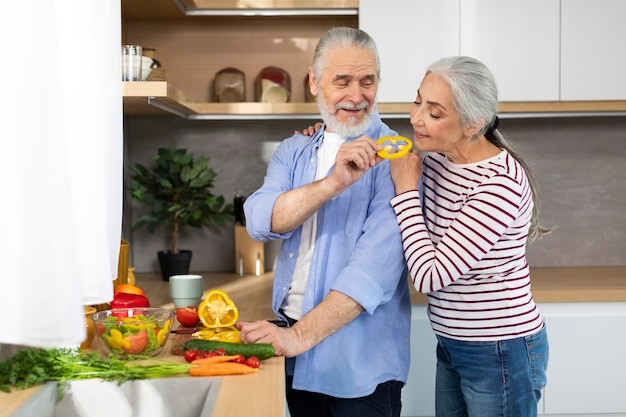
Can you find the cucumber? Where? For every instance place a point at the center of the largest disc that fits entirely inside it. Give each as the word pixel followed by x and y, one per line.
pixel 260 350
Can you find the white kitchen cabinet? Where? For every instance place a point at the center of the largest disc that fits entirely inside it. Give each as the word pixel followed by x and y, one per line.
pixel 593 53
pixel 410 35
pixel 418 396
pixel 586 369
pixel 518 41
pixel 587 364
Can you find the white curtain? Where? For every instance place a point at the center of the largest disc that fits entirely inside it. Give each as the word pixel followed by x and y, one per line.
pixel 61 168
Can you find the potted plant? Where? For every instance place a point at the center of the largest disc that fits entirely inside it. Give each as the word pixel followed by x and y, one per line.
pixel 177 191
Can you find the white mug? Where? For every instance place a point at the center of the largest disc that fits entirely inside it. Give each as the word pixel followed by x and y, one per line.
pixel 186 290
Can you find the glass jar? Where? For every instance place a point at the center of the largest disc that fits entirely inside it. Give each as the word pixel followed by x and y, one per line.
pixel 273 85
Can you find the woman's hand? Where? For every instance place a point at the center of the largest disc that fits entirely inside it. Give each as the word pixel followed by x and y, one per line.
pixel 406 171
pixel 309 131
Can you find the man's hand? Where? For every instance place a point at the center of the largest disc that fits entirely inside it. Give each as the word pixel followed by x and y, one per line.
pixel 283 339
pixel 335 311
pixel 353 160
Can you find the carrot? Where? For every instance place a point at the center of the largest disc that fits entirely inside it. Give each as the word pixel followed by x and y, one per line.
pixel 214 359
pixel 224 368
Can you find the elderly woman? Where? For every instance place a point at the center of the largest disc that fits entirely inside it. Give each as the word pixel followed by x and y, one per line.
pixel 464 236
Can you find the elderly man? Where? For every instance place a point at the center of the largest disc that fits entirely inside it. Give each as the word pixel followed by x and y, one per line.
pixel 340 280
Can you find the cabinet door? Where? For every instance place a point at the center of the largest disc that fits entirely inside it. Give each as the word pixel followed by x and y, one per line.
pixel 593 52
pixel 418 396
pixel 410 35
pixel 518 41
pixel 587 365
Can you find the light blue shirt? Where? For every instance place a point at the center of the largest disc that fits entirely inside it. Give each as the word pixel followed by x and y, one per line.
pixel 358 252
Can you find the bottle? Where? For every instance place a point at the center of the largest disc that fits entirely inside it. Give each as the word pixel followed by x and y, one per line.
pixel 90 326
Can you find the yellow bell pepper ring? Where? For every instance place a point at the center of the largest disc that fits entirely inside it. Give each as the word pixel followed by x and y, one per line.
pixel 394 146
pixel 217 310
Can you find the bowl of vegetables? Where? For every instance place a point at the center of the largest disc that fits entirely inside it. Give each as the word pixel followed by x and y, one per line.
pixel 133 331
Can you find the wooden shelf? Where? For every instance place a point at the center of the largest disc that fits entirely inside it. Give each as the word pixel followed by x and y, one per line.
pixel 160 98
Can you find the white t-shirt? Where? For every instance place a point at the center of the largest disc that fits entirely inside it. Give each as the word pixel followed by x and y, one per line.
pixel 292 306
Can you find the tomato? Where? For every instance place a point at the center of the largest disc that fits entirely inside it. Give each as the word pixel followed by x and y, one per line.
pixel 138 342
pixel 220 351
pixel 128 289
pixel 191 355
pixel 253 362
pixel 100 328
pixel 240 359
pixel 187 316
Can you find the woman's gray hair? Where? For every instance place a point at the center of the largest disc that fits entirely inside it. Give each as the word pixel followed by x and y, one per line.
pixel 475 96
pixel 342 37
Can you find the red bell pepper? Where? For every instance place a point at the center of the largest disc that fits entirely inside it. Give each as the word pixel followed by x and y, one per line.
pixel 125 300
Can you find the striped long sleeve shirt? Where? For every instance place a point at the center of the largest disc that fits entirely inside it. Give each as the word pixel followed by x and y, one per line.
pixel 465 247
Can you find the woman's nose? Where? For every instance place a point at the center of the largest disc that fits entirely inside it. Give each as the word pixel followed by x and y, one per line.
pixel 415 116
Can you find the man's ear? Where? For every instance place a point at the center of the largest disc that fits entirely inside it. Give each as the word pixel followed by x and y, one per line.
pixel 312 82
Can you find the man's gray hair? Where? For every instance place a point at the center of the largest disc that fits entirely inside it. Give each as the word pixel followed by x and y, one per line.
pixel 341 37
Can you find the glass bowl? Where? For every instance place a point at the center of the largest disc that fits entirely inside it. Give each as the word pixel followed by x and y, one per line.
pixel 133 331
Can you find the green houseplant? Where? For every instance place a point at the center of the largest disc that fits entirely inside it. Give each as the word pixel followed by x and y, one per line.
pixel 176 188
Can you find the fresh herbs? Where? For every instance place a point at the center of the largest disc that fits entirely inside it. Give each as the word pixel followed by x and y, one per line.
pixel 32 366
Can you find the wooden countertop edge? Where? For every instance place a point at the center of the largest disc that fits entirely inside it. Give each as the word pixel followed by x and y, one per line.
pixel 247 395
pixel 10 402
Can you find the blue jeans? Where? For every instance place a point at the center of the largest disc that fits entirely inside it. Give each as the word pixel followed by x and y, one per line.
pixel 495 379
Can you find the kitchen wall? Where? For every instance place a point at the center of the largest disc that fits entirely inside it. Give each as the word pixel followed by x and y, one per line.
pixel 579 161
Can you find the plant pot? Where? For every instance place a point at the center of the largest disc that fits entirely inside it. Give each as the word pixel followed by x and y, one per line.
pixel 174 263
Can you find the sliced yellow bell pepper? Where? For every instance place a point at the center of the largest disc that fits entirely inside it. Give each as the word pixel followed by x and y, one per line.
pixel 203 334
pixel 228 336
pixel 217 310
pixel 117 341
pixel 162 334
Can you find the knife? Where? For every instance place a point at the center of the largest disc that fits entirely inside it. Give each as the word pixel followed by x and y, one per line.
pixel 191 330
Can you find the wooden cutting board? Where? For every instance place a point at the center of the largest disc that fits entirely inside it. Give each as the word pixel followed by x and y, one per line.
pixel 179 342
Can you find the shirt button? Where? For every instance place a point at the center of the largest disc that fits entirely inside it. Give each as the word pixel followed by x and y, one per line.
pixel 291 255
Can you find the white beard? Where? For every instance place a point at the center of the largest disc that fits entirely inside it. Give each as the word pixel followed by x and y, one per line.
pixel 346 130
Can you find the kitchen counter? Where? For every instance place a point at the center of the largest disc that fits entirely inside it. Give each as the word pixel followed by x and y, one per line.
pixel 261 394
pixel 549 285
pixel 264 392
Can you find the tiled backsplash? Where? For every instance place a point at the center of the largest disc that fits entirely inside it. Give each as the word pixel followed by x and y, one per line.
pixel 579 161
